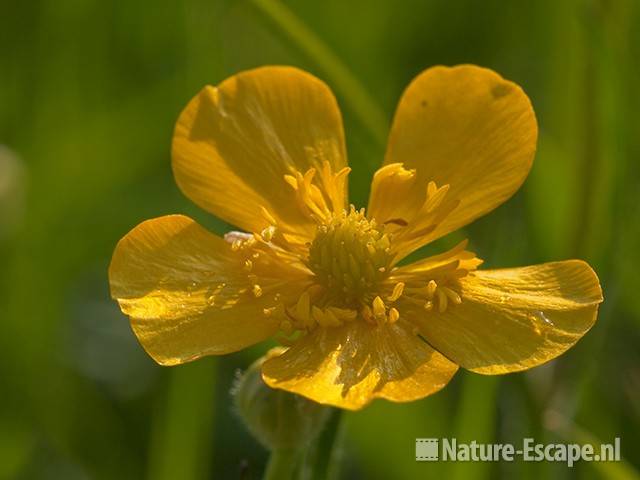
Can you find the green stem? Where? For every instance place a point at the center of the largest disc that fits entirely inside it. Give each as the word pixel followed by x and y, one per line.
pixel 183 428
pixel 282 465
pixel 327 455
pixel 346 84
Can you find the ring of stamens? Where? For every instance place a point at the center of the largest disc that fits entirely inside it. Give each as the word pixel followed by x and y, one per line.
pixel 351 257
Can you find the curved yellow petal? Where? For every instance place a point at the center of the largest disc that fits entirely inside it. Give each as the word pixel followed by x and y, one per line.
pixel 188 294
pixel 349 366
pixel 234 144
pixel 467 130
pixel 513 319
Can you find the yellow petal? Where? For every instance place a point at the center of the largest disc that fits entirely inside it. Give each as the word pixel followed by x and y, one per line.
pixel 465 127
pixel 188 294
pixel 513 319
pixel 234 144
pixel 349 366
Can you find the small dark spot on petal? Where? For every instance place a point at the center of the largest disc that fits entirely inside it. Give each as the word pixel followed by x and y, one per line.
pixel 500 90
pixel 423 103
pixel 397 221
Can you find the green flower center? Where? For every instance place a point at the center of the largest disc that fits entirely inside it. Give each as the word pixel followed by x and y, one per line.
pixel 350 255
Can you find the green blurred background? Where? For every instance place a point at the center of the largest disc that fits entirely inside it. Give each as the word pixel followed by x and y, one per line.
pixel 89 93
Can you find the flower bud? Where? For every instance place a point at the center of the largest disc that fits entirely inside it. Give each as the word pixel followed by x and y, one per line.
pixel 276 418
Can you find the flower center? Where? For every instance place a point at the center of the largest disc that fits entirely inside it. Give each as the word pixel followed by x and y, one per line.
pixel 350 255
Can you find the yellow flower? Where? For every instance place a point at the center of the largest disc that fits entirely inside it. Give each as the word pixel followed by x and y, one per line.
pixel 265 151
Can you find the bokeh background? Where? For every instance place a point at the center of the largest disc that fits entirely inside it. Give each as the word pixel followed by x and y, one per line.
pixel 89 93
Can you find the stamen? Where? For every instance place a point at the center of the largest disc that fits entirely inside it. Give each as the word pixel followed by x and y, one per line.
pixel 431 289
pixel 267 216
pixel 397 292
pixel 239 240
pixel 435 196
pixel 379 309
pixel 390 183
pixel 344 314
pixel 396 201
pixel 435 294
pixel 352 256
pixel 334 185
pixel 268 233
pixel 324 318
pixel 442 300
pixel 367 314
pixel 331 318
pixel 377 313
pixel 303 309
pixel 455 263
pixel 452 295
pixel 314 202
pixel 308 196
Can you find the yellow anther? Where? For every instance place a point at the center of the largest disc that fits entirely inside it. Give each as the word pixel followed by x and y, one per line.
pixel 291 180
pixel 257 291
pixel 394 315
pixel 384 242
pixel 248 265
pixel 367 314
pixel 397 292
pixel 442 300
pixel 307 178
pixel 302 309
pixel 435 198
pixel 317 315
pixel 268 311
pixel 452 295
pixel 379 308
pixel 268 233
pixel 428 306
pixel 344 314
pixel 265 213
pixel 431 288
pixel 331 318
pixel 324 319
pixel 309 197
pixel 389 183
pixel 334 184
pixel 431 189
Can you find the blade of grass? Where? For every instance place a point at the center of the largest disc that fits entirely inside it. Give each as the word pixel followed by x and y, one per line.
pixel 475 420
pixel 571 432
pixel 339 76
pixel 182 439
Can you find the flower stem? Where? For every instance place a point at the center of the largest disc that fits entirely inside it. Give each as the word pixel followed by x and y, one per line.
pixel 282 465
pixel 328 456
pixel 346 84
pixel 182 436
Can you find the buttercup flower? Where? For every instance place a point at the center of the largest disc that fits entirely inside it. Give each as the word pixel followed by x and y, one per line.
pixel 265 151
